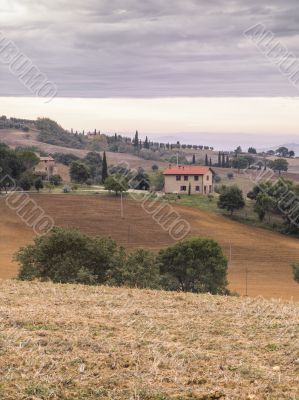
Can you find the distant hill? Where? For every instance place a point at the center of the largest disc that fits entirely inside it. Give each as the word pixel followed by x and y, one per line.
pixel 290 146
pixel 52 133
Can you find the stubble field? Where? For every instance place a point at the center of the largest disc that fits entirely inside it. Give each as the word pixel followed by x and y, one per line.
pixel 66 342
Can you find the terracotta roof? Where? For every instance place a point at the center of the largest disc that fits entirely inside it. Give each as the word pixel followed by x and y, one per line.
pixel 186 170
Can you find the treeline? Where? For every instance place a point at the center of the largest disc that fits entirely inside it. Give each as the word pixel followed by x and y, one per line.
pixel 280 198
pixel 15 123
pixel 52 133
pixel 68 256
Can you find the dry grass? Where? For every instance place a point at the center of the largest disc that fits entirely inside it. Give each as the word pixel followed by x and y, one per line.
pixel 80 343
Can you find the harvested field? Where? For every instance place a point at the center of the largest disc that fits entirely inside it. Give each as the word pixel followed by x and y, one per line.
pixel 259 259
pixel 65 342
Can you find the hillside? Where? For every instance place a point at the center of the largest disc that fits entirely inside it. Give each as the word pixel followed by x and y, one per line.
pixel 15 138
pixel 257 256
pixel 83 343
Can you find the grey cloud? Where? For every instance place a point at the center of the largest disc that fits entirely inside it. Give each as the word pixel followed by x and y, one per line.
pixel 149 48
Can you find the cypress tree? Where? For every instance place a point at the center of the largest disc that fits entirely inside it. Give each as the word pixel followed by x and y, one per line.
pixel 227 161
pixel 223 160
pixel 136 140
pixel 104 168
pixel 219 159
pixel 210 162
pixel 189 189
pixel 207 161
pixel 146 145
pixel 193 159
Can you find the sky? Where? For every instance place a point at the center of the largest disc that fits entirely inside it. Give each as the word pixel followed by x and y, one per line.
pixel 176 67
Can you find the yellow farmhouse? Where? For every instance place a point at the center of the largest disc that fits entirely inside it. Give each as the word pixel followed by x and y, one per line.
pixel 185 179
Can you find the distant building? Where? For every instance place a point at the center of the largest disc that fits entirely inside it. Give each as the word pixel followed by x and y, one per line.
pixel 46 167
pixel 185 179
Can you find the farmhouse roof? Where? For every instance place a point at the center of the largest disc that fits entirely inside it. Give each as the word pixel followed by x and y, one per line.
pixel 46 159
pixel 186 170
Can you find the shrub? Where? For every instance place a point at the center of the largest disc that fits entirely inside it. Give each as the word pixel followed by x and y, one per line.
pixel 79 172
pixel 67 256
pixel 141 270
pixel 38 184
pixel 26 181
pixel 231 199
pixel 116 183
pixel 194 265
pixel 296 272
pixel 55 180
pixel 230 175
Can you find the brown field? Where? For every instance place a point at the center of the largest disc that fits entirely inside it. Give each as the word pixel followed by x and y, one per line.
pixel 66 342
pixel 14 138
pixel 259 257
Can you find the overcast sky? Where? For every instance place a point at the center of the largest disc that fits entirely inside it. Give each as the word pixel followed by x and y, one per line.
pixel 151 48
pixel 107 48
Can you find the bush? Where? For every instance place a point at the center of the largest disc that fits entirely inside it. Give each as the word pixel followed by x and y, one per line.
pixel 38 184
pixel 296 272
pixel 26 181
pixel 194 265
pixel 230 175
pixel 141 270
pixel 79 172
pixel 67 256
pixel 231 199
pixel 55 180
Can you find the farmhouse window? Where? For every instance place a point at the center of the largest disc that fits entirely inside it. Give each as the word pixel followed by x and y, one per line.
pixel 208 178
pixel 196 177
pixel 185 177
pixel 197 188
pixel 178 177
pixel 183 188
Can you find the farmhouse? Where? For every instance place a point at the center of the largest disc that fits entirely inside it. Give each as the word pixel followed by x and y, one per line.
pixel 46 167
pixel 185 179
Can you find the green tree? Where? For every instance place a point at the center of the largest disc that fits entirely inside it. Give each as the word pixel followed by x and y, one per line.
pixel 93 161
pixel 251 150
pixel 238 150
pixel 26 181
pixel 157 181
pixel 231 199
pixel 194 265
pixel 240 163
pixel 55 180
pixel 291 153
pixel 104 168
pixel 136 140
pixel 206 160
pixel 193 159
pixel 155 167
pixel 67 256
pixel 282 151
pixel 141 270
pixel 279 165
pixel 38 184
pixel 79 172
pixel 263 205
pixel 116 183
